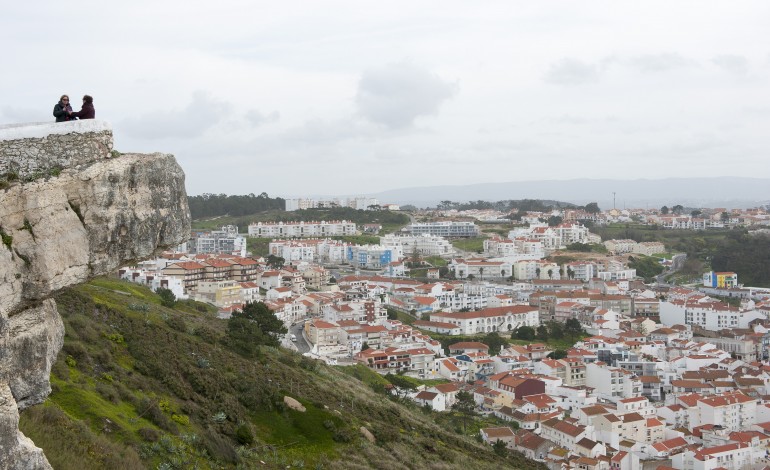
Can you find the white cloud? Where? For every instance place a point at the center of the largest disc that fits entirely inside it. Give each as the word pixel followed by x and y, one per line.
pixel 396 94
pixel 732 63
pixel 572 72
pixel 203 113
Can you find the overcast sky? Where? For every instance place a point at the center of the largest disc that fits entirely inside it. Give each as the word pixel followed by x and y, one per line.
pixel 354 97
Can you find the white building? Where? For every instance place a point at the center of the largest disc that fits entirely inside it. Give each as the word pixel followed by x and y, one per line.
pixel 444 229
pixel 424 244
pixel 709 314
pixel 225 241
pixel 491 319
pixel 612 383
pixel 302 229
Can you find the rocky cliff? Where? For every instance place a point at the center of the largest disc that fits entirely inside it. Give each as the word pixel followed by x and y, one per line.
pixel 70 209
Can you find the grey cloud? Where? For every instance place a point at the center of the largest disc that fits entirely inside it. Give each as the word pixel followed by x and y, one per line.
pixel 14 114
pixel 256 118
pixel 699 143
pixel 659 62
pixel 396 94
pixel 732 63
pixel 203 113
pixel 571 72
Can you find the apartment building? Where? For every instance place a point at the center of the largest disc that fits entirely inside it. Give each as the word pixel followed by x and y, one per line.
pixel 189 272
pixel 490 319
pixel 423 244
pixel 302 229
pixel 617 247
pixel 372 256
pixel 226 240
pixel 451 229
pixel 612 383
pixel 649 248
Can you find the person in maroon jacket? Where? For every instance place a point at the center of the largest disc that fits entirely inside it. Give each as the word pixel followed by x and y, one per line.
pixel 87 110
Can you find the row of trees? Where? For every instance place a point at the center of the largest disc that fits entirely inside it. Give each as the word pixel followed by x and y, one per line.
pixel 746 254
pixel 214 205
pixel 523 205
pixel 571 329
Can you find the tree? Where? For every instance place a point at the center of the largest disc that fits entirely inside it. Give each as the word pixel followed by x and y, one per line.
pixel 573 328
pixel 167 297
pixel 677 209
pixel 392 313
pixel 554 220
pixel 542 333
pixel 696 213
pixel 253 326
pixel 481 273
pixel 558 354
pixel 500 448
pixel 570 272
pixel 537 272
pixel 275 262
pixel 495 342
pixel 592 208
pixel 550 274
pixel 402 384
pixel 465 405
pixel 415 258
pixel 365 346
pixel 555 329
pixel 664 210
pixel 526 333
pixel 724 217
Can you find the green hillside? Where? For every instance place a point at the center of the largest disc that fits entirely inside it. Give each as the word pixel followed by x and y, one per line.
pixel 138 385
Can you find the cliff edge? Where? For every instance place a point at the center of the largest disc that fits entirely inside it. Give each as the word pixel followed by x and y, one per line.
pixel 70 209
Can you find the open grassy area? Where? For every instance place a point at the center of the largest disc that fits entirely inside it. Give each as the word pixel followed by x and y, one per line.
pixel 475 245
pixel 139 385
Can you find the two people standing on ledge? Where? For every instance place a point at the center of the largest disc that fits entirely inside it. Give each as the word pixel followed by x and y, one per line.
pixel 62 111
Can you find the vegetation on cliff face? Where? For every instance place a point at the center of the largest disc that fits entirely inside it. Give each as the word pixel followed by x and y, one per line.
pixel 139 385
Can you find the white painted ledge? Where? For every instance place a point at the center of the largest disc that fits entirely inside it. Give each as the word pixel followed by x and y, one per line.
pixel 38 130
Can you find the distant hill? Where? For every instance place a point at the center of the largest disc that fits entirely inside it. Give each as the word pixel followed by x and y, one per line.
pixel 730 192
pixel 138 385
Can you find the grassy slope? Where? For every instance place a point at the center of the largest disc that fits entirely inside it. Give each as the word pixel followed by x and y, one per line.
pixel 138 385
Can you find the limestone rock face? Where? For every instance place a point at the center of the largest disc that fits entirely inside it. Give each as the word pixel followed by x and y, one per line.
pixel 95 213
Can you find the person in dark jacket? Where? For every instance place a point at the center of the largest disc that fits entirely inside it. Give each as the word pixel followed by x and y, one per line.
pixel 87 110
pixel 62 110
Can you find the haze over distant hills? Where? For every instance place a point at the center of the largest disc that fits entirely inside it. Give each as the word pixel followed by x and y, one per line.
pixel 727 191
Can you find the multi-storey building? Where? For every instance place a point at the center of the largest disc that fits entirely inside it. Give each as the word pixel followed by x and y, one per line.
pixel 451 229
pixel 491 319
pixel 710 315
pixel 372 256
pixel 189 272
pixel 225 241
pixel 723 280
pixel 617 247
pixel 220 293
pixel 424 244
pixel 649 248
pixel 302 229
pixel 612 383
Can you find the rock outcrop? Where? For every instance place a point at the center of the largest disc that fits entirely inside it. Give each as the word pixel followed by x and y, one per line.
pixel 71 209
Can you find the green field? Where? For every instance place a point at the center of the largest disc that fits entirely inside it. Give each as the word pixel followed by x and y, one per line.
pixel 138 385
pixel 475 245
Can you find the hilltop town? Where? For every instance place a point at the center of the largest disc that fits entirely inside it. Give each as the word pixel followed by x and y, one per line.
pixel 547 327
